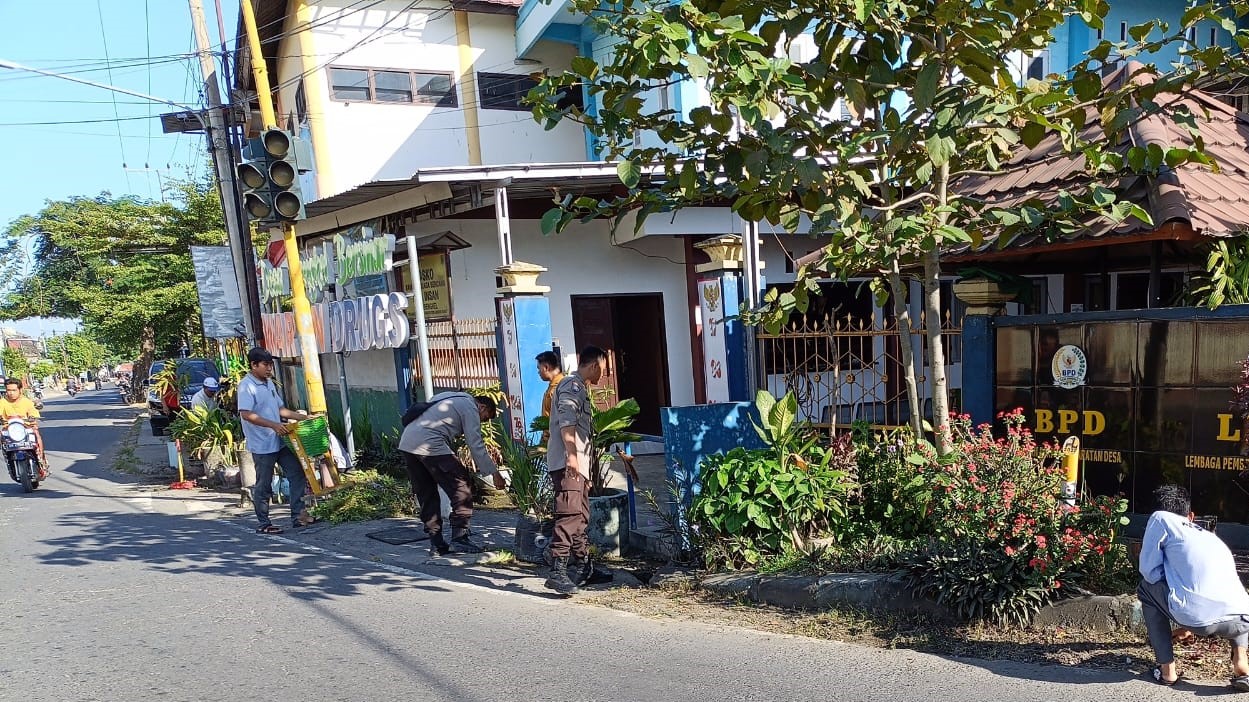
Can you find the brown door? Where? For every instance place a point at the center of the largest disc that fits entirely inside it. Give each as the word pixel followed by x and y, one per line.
pixel 631 329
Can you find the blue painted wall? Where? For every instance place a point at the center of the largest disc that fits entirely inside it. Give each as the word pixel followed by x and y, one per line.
pixel 695 432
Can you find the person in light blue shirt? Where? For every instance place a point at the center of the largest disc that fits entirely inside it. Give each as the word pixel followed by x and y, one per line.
pixel 1188 577
pixel 262 411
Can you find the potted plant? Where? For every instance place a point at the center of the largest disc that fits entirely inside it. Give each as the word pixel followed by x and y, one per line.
pixel 530 489
pixel 210 435
pixel 609 507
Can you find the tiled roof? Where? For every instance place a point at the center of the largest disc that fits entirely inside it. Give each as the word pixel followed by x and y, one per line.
pixel 1212 203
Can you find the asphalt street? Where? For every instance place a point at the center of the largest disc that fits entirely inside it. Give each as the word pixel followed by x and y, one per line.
pixel 112 593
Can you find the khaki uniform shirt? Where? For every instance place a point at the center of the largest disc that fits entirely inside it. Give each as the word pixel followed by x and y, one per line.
pixel 547 399
pixel 570 409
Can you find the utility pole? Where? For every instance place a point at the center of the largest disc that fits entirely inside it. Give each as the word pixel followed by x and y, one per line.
pixel 299 298
pixel 219 146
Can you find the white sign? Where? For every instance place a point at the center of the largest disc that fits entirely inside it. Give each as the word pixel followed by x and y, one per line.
pixel 1069 367
pixel 221 306
pixel 360 324
pixel 715 350
pixel 512 381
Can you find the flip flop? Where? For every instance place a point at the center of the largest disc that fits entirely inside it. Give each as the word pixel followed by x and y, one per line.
pixel 1156 674
pixel 269 529
pixel 300 523
pixel 1240 682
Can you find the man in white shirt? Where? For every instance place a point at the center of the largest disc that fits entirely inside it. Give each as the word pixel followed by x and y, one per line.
pixel 1188 576
pixel 263 412
pixel 428 447
pixel 207 396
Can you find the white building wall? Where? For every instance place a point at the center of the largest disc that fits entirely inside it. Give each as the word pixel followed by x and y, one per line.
pixel 371 141
pixel 581 261
pixel 373 369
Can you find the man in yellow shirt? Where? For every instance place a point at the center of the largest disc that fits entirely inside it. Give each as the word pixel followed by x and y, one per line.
pixel 550 371
pixel 15 405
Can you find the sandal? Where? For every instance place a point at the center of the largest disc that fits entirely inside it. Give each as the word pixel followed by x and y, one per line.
pixel 1156 674
pixel 269 529
pixel 1240 682
pixel 306 519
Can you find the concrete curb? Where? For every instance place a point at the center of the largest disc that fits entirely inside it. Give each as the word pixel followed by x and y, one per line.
pixel 886 592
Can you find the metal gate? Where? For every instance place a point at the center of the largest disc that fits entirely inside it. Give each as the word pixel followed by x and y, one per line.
pixel 846 370
pixel 463 353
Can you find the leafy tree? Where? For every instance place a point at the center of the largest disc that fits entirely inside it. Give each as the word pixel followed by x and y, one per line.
pixel 933 96
pixel 123 265
pixel 75 353
pixel 43 369
pixel 15 364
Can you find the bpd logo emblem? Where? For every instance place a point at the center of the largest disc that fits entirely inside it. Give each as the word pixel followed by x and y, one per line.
pixel 1069 367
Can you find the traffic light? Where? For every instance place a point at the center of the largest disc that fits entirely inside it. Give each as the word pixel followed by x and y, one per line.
pixel 270 176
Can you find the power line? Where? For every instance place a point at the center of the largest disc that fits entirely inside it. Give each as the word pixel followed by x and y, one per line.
pixel 147 35
pixel 121 144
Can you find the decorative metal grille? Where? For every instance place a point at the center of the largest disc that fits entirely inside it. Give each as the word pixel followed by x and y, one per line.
pixel 463 353
pixel 844 370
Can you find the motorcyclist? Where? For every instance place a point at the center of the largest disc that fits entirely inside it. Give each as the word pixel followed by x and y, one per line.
pixel 15 405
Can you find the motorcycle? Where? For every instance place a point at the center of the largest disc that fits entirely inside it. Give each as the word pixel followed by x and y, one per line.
pixel 73 390
pixel 21 453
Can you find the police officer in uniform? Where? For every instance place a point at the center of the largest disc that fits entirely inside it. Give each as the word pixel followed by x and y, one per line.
pixel 568 460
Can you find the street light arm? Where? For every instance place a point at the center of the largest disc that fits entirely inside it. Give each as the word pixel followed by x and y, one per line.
pixel 19 67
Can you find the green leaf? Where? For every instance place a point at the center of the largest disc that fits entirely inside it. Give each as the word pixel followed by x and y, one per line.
pixel 629 172
pixel 940 149
pixel 926 85
pixel 697 66
pixel 1032 134
pixel 551 219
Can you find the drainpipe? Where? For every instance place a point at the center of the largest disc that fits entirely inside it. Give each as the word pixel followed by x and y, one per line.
pixel 468 85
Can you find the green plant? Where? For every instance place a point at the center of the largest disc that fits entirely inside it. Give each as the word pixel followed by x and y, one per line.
pixel 1225 280
pixel 758 503
pixel 205 430
pixel 530 488
pixel 15 364
pixel 608 428
pixel 366 495
pixel 977 580
pixel 167 380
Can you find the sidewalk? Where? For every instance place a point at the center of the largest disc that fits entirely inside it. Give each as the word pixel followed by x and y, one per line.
pixel 496 528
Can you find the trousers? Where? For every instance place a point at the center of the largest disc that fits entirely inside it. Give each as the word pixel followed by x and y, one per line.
pixel 572 514
pixel 1157 615
pixel 427 474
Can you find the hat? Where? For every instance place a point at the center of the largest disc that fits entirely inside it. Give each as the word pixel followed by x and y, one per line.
pixel 259 355
pixel 211 384
pixel 488 403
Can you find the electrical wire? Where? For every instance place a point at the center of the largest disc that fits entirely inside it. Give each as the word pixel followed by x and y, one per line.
pixel 147 35
pixel 121 144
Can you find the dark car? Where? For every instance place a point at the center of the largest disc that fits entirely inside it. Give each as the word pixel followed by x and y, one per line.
pixel 191 374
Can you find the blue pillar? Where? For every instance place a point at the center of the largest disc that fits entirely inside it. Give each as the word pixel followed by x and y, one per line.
pixel 403 375
pixel 524 332
pixel 979 362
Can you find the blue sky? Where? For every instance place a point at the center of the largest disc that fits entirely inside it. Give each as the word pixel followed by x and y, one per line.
pixel 52 160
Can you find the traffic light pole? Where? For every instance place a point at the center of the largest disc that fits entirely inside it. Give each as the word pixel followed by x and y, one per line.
pixel 299 297
pixel 218 143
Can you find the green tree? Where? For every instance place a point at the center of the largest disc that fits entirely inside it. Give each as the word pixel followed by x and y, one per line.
pixel 933 96
pixel 122 265
pixel 42 369
pixel 15 364
pixel 75 353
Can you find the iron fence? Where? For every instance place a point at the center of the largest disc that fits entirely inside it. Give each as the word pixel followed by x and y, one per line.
pixel 463 353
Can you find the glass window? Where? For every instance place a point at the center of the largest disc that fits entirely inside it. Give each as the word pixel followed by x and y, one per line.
pixel 435 89
pixel 392 86
pixel 349 84
pixel 504 91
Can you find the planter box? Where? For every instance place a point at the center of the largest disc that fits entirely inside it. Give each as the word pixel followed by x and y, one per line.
pixel 609 522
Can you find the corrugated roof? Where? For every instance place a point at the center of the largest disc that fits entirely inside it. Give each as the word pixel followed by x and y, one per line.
pixel 1214 204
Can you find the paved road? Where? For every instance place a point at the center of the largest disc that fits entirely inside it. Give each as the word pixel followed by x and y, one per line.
pixel 112 593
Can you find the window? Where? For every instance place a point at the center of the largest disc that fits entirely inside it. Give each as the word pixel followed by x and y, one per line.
pixel 301 103
pixel 392 86
pixel 349 84
pixel 1037 66
pixel 1123 31
pixel 504 91
pixel 507 91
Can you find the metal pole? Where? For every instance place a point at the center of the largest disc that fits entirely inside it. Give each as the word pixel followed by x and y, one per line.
pixel 235 137
pixel 342 386
pixel 502 218
pixel 750 278
pixel 264 94
pixel 74 79
pixel 422 335
pixel 219 147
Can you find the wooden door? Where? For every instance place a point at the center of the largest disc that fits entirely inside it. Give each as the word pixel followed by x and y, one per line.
pixel 593 324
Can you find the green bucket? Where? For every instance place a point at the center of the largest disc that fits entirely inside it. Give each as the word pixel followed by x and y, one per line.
pixel 314 436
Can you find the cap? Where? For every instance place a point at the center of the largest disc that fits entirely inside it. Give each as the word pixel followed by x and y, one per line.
pixel 211 384
pixel 259 355
pixel 488 403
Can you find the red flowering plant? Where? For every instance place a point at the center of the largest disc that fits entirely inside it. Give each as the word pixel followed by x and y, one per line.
pixel 1003 541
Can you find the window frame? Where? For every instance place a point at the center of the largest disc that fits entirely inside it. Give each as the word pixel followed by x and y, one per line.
pixel 449 99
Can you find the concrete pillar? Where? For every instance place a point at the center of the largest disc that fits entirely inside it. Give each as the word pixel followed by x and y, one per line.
pixel 721 292
pixel 524 314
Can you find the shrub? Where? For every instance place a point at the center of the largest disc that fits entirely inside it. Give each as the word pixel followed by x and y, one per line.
pixel 365 495
pixel 759 503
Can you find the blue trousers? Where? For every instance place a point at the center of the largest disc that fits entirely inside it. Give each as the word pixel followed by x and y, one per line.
pixel 263 489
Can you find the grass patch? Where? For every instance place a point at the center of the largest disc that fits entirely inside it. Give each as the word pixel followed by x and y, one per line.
pixel 126 460
pixel 366 495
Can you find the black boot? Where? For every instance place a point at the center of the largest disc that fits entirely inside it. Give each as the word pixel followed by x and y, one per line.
pixel 559 580
pixel 462 542
pixel 438 546
pixel 580 569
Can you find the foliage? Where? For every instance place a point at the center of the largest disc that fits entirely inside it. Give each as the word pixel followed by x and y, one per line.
pixel 530 488
pixel 205 430
pixel 122 265
pixel 15 364
pixel 168 380
pixel 236 369
pixel 1225 280
pixel 78 352
pixel 1001 542
pixel 378 451
pixel 931 95
pixel 43 369
pixel 366 495
pixel 759 503
pixel 609 428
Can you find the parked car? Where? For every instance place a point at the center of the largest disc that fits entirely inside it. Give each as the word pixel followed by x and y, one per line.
pixel 191 372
